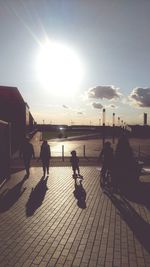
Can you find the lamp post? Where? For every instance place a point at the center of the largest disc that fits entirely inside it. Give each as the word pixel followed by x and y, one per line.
pixel 113 129
pixel 104 116
pixel 103 127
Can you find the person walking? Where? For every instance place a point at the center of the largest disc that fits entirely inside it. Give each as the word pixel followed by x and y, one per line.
pixel 27 153
pixel 45 156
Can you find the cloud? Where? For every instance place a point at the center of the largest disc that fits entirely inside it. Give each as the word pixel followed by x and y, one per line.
pixel 100 106
pixel 80 113
pixel 64 106
pixel 111 106
pixel 97 105
pixel 108 92
pixel 140 97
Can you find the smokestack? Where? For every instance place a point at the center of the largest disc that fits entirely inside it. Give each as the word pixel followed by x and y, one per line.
pixel 145 118
pixel 113 119
pixel 103 116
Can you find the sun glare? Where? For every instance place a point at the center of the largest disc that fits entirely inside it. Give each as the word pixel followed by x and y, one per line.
pixel 59 69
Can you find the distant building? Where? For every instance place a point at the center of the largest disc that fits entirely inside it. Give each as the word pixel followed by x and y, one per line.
pixel 14 109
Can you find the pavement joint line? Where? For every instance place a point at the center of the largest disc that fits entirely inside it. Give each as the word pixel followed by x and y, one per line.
pixel 4 181
pixel 60 232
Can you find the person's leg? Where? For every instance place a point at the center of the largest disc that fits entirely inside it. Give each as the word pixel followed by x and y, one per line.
pixel 47 167
pixel 27 165
pixel 44 168
pixel 74 170
pixel 78 169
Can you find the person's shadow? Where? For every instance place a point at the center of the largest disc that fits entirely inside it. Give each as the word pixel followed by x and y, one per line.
pixel 138 192
pixel 139 227
pixel 10 196
pixel 80 194
pixel 36 197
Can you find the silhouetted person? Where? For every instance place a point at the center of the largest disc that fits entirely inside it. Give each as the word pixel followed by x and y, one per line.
pixel 126 166
pixel 45 155
pixel 74 163
pixel 27 153
pixel 107 158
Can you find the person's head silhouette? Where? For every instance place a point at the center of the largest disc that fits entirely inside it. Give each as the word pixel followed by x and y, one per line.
pixel 73 153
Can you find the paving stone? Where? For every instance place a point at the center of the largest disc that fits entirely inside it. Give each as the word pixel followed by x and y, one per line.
pixel 54 222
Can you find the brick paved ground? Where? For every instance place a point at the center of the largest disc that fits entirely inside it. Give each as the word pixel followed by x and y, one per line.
pixel 52 222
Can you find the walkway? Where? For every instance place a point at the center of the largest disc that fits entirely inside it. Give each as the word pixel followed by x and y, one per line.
pixel 53 222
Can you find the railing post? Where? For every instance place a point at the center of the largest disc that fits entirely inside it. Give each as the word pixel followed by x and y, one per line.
pixel 62 152
pixel 84 151
pixel 139 152
pixel 41 136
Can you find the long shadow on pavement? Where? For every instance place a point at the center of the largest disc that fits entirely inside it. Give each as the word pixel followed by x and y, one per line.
pixel 17 169
pixel 139 193
pixel 140 228
pixel 10 196
pixel 36 197
pixel 80 194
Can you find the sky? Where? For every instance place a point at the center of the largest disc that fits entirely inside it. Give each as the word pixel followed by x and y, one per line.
pixel 72 58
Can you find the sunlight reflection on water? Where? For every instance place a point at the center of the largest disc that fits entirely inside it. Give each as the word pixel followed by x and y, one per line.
pixel 93 147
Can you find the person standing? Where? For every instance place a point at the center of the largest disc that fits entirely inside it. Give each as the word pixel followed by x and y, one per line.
pixel 75 163
pixel 45 155
pixel 27 153
pixel 127 169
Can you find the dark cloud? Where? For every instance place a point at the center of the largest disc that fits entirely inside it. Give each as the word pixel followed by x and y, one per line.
pixel 64 106
pixel 141 97
pixel 111 106
pixel 108 92
pixel 97 105
pixel 80 113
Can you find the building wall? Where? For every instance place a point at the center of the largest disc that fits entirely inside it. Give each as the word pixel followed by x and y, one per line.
pixel 4 151
pixel 14 110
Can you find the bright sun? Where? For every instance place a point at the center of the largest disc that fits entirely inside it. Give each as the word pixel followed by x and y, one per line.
pixel 59 69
